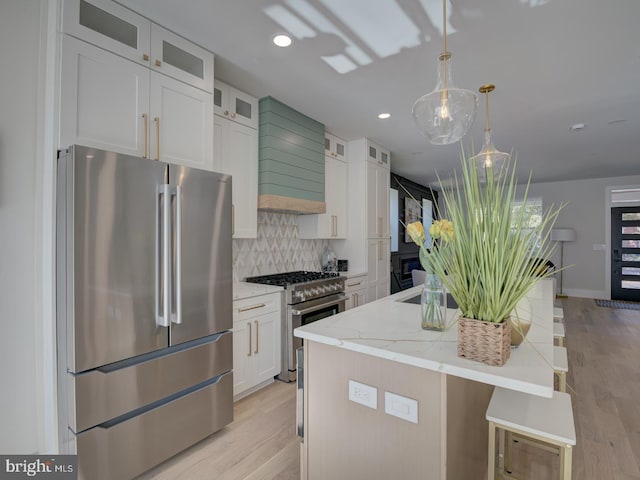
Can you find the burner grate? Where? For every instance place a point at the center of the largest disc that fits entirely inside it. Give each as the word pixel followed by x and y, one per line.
pixel 288 278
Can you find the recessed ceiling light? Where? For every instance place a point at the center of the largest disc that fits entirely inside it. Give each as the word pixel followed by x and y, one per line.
pixel 577 126
pixel 282 40
pixel 384 115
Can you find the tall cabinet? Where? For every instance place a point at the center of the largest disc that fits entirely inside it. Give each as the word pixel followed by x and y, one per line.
pixel 236 153
pixel 368 244
pixel 131 86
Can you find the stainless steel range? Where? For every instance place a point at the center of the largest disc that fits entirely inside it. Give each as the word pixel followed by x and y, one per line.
pixel 309 296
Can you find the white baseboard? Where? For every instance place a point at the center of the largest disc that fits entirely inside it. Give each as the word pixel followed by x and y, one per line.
pixel 571 292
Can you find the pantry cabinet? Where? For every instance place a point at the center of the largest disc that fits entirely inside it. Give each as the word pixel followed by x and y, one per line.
pixel 148 96
pixel 256 342
pixel 378 268
pixel 367 247
pixel 236 153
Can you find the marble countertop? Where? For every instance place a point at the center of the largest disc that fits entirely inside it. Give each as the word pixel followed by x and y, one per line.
pixel 390 328
pixel 247 290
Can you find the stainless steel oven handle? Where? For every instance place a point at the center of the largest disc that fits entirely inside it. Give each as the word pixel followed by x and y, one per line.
pixel 318 307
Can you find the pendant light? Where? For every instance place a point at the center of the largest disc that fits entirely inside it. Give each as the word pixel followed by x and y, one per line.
pixel 489 161
pixel 445 115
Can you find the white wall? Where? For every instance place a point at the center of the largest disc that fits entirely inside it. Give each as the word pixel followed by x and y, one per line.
pixel 19 81
pixel 587 214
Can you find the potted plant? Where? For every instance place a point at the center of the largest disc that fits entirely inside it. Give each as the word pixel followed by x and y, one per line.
pixel 489 260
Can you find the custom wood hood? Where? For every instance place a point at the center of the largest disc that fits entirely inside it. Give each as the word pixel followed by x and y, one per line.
pixel 291 160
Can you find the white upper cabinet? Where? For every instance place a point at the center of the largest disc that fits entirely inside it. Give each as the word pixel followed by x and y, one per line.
pixel 110 26
pixel 378 155
pixel 104 100
pixel 123 32
pixel 335 147
pixel 178 58
pixel 237 106
pixel 181 123
pixel 236 153
pixel 144 92
pixel 332 223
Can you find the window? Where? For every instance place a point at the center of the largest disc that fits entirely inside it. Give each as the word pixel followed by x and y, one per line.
pixel 532 211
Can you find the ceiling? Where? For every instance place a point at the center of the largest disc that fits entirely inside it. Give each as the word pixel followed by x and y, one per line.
pixel 555 63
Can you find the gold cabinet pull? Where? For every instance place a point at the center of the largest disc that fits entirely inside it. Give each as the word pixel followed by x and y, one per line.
pixel 257 337
pixel 226 113
pixel 249 352
pixel 157 120
pixel 252 307
pixel 158 63
pixel 146 153
pixel 145 57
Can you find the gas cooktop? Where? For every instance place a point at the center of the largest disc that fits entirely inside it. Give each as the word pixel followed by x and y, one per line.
pixel 289 278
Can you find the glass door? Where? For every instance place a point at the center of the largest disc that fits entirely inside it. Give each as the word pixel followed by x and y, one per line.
pixel 625 253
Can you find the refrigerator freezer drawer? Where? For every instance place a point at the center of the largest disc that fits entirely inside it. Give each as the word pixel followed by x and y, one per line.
pixel 131 447
pixel 104 394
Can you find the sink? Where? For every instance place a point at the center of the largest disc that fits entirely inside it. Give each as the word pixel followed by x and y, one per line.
pixel 451 303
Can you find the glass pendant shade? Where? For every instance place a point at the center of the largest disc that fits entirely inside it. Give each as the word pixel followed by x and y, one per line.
pixel 489 161
pixel 445 115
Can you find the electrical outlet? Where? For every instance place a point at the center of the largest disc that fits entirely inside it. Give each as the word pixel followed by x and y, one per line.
pixel 363 394
pixel 401 407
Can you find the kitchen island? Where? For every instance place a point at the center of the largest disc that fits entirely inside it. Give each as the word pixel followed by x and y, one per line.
pixel 417 409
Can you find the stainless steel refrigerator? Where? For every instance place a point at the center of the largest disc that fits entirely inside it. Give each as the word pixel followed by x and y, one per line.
pixel 144 309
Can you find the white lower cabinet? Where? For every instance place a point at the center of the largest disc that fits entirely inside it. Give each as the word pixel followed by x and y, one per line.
pixel 355 288
pixel 256 342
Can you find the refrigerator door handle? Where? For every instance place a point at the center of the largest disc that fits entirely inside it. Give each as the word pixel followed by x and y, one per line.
pixel 177 317
pixel 163 257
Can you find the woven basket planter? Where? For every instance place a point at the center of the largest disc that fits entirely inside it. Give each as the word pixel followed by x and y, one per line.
pixel 484 342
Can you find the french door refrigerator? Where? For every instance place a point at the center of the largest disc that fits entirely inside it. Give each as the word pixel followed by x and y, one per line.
pixel 144 309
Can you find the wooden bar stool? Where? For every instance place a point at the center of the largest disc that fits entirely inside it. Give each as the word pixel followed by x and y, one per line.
pixel 558 333
pixel 547 420
pixel 561 367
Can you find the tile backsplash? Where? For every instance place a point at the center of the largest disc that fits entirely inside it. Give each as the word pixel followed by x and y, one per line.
pixel 277 248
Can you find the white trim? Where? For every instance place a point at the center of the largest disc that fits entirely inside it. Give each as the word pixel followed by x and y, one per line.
pixel 576 292
pixel 607 230
pixel 46 149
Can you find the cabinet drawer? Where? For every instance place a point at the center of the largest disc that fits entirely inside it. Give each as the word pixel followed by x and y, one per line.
pixel 254 306
pixel 103 394
pixel 355 283
pixel 128 448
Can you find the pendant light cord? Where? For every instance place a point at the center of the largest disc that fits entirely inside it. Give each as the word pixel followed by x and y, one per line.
pixel 444 47
pixel 486 128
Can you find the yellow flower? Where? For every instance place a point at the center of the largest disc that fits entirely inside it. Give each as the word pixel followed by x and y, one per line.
pixel 442 229
pixel 416 232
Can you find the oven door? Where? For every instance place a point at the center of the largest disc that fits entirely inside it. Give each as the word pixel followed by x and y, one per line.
pixel 302 314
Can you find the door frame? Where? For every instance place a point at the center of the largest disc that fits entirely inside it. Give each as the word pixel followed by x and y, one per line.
pixel 607 234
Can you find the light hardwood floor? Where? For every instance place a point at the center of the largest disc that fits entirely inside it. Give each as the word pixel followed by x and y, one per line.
pixel 604 382
pixel 260 443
